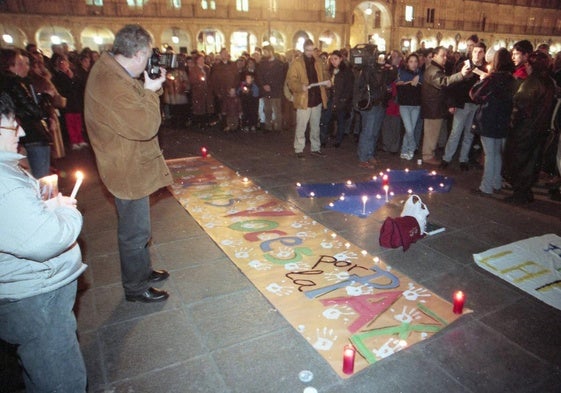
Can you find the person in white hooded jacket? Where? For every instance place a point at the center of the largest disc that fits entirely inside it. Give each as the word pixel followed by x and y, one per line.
pixel 40 262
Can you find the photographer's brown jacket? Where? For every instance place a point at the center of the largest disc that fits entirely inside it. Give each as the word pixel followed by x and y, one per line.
pixel 122 120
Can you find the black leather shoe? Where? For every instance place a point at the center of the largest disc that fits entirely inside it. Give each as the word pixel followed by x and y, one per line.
pixel 151 295
pixel 158 275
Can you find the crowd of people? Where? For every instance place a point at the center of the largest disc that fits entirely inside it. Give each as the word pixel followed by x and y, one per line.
pixel 426 104
pixel 433 103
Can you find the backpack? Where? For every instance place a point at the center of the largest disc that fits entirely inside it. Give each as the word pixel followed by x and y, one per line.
pixel 370 88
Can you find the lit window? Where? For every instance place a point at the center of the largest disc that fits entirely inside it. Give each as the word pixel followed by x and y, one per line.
pixel 409 13
pixel 136 3
pixel 98 3
pixel 175 4
pixel 208 5
pixel 330 8
pixel 242 5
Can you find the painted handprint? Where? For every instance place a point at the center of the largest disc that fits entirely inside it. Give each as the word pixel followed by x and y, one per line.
pixel 357 290
pixel 346 255
pixel 336 276
pixel 388 348
pixel 258 265
pixel 407 316
pixel 243 252
pixel 279 290
pixel 324 339
pixel 413 293
pixel 337 312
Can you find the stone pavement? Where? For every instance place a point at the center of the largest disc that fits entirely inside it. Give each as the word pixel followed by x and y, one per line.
pixel 217 333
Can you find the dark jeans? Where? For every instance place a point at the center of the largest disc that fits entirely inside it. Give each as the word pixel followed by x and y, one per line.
pixel 134 236
pixel 250 110
pixel 44 329
pixel 39 157
pixel 325 123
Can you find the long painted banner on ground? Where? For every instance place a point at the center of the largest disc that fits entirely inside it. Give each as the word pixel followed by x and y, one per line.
pixel 328 289
pixel 533 265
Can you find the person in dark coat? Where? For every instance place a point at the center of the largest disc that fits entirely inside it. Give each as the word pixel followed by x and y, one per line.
pixel 340 97
pixel 14 66
pixel 494 93
pixel 270 75
pixel 531 115
pixel 201 94
pixel 433 106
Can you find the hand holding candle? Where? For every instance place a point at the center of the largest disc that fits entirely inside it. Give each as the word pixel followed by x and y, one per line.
pixel 79 179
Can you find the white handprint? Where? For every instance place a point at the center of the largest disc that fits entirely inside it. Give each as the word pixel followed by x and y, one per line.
pixel 278 289
pixel 258 265
pixel 337 277
pixel 388 348
pixel 325 339
pixel 336 312
pixel 353 290
pixel 295 266
pixel 407 317
pixel 243 252
pixel 346 255
pixel 413 293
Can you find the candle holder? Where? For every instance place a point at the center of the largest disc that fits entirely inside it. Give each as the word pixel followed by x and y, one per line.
pixel 349 353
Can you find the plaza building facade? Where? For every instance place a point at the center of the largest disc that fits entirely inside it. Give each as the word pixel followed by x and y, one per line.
pixel 242 25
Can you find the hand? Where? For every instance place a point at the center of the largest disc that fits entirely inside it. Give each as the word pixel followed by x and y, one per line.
pixel 155 84
pixel 61 200
pixel 328 85
pixel 415 80
pixel 304 87
pixel 452 110
pixel 466 69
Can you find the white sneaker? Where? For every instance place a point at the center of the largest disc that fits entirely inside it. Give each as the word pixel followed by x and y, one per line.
pixel 76 146
pixel 406 156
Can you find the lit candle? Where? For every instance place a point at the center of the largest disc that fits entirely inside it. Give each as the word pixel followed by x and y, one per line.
pixel 385 180
pixel 459 300
pixel 48 186
pixel 79 179
pixel 298 184
pixel 364 199
pixel 204 152
pixel 386 188
pixel 245 180
pixel 349 359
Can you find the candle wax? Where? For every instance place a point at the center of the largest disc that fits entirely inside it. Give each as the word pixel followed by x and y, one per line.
pixel 458 303
pixel 348 359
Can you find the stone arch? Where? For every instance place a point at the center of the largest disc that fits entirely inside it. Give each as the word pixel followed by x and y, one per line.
pixel 371 23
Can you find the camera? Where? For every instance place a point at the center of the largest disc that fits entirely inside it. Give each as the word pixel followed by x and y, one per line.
pixel 363 55
pixel 153 65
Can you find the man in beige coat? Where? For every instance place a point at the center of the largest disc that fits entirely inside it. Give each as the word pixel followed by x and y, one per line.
pixel 302 79
pixel 123 118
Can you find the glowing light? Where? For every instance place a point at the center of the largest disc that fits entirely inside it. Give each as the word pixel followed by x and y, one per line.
pixel 175 39
pixel 431 189
pixel 8 39
pixel 368 11
pixel 55 39
pixel 333 235
pixel 378 196
pixel 410 191
pixel 364 252
pixel 342 198
pixel 98 40
pixel 312 194
pixel 441 184
pixel 349 183
pixel 331 204
pixel 376 260
pixel 298 184
pixel 433 173
pixel 406 170
pixel 347 245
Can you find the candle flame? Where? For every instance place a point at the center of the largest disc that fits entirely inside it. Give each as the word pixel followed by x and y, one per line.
pixel 79 175
pixel 459 295
pixel 364 198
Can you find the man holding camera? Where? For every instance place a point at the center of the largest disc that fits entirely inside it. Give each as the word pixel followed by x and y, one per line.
pixel 123 118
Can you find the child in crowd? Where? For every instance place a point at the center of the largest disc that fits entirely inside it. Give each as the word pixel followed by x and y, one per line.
pixel 232 111
pixel 249 95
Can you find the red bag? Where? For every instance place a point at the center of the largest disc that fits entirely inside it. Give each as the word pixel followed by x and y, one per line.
pixel 400 231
